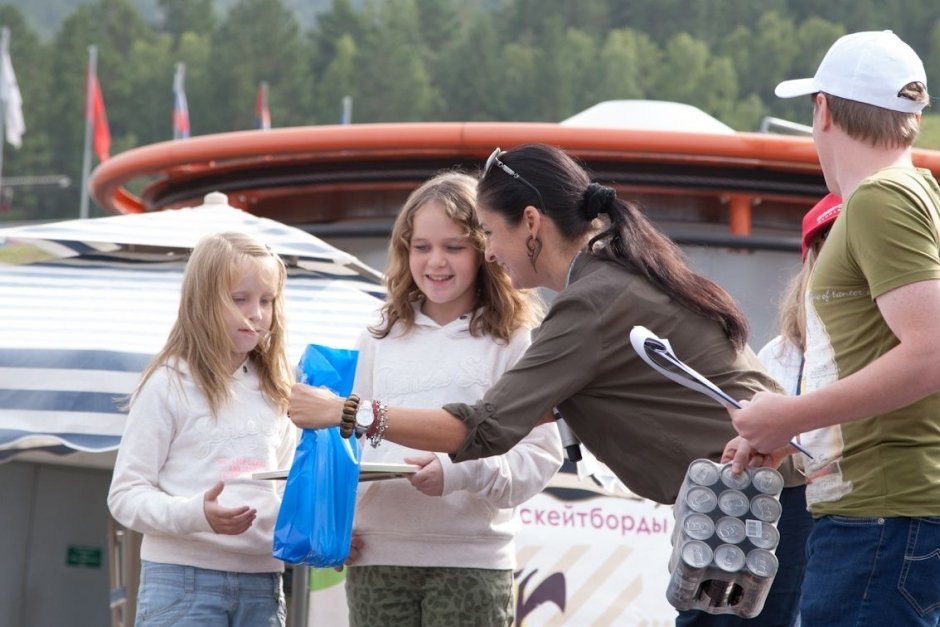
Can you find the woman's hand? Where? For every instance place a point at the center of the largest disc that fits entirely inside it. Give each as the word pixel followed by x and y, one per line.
pixel 429 479
pixel 314 408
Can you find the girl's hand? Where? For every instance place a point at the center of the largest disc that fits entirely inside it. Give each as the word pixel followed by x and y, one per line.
pixel 314 408
pixel 429 479
pixel 229 521
pixel 355 550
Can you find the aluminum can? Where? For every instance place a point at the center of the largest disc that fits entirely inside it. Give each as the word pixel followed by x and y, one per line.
pixel 765 508
pixel 756 581
pixel 730 530
pixel 763 535
pixel 729 558
pixel 698 526
pixel 762 563
pixel 768 481
pixel 696 554
pixel 701 499
pixel 690 571
pixel 735 481
pixel 733 503
pixel 703 472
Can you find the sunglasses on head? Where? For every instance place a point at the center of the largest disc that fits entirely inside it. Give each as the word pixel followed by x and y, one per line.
pixel 494 160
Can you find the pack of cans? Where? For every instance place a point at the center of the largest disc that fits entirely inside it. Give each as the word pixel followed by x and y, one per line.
pixel 724 539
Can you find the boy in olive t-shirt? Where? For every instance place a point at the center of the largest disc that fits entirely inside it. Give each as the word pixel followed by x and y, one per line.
pixel 870 413
pixel 885 465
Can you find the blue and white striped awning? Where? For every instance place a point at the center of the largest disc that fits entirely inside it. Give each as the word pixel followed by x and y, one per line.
pixel 162 232
pixel 76 332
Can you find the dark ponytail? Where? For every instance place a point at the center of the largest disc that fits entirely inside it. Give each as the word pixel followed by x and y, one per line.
pixel 596 200
pixel 575 203
pixel 633 241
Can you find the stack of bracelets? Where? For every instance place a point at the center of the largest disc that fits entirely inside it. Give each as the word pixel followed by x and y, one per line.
pixel 349 423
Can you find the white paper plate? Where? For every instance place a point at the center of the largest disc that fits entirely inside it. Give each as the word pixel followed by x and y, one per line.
pixel 397 468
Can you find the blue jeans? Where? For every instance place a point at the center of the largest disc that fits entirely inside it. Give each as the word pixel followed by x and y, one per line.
pixel 872 571
pixel 783 600
pixel 185 596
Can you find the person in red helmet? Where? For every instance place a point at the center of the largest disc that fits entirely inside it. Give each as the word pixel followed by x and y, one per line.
pixel 783 358
pixel 818 221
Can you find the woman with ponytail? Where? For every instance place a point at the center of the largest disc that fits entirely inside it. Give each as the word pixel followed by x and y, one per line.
pixel 550 226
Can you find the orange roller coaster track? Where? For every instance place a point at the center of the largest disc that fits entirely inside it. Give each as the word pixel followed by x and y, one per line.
pixel 324 174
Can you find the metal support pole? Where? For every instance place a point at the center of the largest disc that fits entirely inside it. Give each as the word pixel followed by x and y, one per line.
pixel 86 153
pixel 300 596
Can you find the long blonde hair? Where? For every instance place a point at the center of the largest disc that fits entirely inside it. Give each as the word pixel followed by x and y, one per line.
pixel 500 309
pixel 792 315
pixel 199 336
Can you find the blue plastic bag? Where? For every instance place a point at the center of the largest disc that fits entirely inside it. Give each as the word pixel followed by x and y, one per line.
pixel 314 524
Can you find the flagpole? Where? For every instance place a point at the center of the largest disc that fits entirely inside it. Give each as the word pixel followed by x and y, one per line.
pixel 4 51
pixel 346 117
pixel 265 113
pixel 86 153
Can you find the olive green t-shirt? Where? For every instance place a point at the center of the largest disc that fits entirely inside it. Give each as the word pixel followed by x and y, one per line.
pixel 885 238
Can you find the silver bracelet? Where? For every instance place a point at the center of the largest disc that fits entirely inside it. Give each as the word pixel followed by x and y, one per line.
pixel 376 438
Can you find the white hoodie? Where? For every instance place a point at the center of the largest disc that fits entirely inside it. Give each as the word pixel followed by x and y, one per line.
pixel 173 450
pixel 473 524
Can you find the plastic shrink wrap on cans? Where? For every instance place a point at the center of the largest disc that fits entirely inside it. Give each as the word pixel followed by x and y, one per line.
pixel 724 539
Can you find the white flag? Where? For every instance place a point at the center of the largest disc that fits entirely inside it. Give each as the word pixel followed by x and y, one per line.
pixel 12 103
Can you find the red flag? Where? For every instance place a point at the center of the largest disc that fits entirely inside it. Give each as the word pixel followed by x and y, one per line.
pixel 101 133
pixel 262 113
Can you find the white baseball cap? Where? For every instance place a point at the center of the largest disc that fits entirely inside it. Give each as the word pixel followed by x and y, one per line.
pixel 870 67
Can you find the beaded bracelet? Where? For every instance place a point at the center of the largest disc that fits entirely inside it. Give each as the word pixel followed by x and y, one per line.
pixel 347 424
pixel 377 431
pixel 369 431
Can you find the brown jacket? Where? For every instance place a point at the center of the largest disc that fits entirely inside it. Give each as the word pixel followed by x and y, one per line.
pixel 645 427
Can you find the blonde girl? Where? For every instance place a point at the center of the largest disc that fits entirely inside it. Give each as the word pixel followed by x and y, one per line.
pixel 209 410
pixel 439 552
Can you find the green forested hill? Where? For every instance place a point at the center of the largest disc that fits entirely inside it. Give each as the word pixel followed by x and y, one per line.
pixel 47 16
pixel 413 60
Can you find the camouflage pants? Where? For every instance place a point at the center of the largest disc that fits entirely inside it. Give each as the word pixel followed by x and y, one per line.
pixel 408 596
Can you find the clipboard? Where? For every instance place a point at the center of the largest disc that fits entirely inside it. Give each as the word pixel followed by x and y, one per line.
pixel 658 353
pixel 368 471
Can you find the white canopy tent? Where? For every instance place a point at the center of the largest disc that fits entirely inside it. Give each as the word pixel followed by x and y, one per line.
pixel 75 332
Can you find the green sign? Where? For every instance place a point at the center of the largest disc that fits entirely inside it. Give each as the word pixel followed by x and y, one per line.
pixel 83 556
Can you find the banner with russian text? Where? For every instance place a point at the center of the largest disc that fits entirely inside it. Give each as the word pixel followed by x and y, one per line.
pixel 592 560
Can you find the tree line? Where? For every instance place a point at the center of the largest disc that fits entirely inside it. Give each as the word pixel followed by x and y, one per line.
pixel 416 60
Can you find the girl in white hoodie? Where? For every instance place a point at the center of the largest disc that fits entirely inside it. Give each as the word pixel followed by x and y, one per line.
pixel 209 410
pixel 439 552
